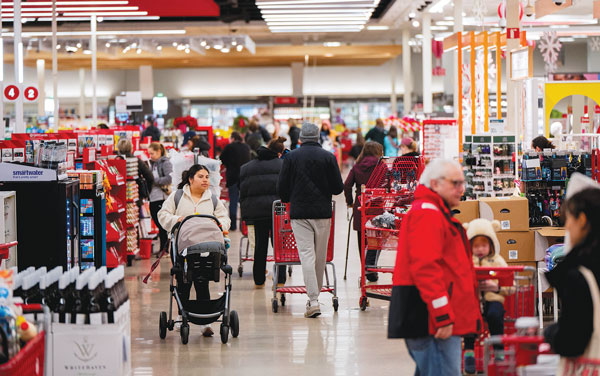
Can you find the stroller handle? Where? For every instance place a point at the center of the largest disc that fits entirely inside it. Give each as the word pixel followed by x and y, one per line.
pixel 179 224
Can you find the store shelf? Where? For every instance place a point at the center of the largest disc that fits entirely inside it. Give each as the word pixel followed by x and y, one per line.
pixel 504 176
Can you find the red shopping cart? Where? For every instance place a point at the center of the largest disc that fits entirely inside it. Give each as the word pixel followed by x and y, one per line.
pixel 389 191
pixel 4 250
pixel 31 359
pixel 245 251
pixel 286 253
pixel 521 303
pixel 519 352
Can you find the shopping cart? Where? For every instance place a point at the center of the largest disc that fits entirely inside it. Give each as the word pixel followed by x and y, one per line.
pixel 245 251
pixel 519 351
pixel 390 190
pixel 521 303
pixel 286 253
pixel 4 250
pixel 32 357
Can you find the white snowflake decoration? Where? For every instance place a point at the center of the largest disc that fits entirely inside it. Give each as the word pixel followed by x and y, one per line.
pixel 479 11
pixel 479 90
pixel 466 98
pixel 594 43
pixel 491 70
pixel 550 47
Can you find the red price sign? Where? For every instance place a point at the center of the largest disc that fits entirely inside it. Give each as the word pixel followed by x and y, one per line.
pixel 11 92
pixel 31 93
pixel 512 33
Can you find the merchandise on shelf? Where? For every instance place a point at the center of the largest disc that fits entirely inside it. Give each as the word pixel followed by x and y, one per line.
pixel 489 164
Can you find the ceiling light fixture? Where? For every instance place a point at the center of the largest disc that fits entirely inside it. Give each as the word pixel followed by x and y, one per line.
pixel 138 51
pixel 87 52
pixel 239 48
pixel 225 50
pixel 187 50
pixel 107 44
pixel 416 23
pixel 439 6
pixel 332 44
pixel 439 28
pixel 159 47
pixel 378 27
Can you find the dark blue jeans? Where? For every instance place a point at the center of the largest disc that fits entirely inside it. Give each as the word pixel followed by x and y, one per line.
pixel 234 198
pixel 435 357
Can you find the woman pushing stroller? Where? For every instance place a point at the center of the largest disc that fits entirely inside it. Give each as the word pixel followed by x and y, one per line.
pixel 191 198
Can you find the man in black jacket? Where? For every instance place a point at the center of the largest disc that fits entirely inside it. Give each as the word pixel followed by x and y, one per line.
pixel 308 179
pixel 377 133
pixel 233 157
pixel 151 130
pixel 294 133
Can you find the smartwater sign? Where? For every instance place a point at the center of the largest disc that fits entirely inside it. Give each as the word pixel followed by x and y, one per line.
pixel 16 172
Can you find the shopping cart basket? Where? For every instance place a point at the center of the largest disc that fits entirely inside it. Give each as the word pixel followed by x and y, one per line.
pixel 5 248
pixel 390 190
pixel 286 253
pixel 521 303
pixel 519 352
pixel 245 251
pixel 32 357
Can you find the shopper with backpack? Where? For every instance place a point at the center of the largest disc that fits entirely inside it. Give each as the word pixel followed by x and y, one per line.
pixel 145 179
pixel 193 197
pixel 161 170
pixel 258 190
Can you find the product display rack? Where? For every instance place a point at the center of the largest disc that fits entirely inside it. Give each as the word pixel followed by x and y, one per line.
pixel 489 164
pixel 132 211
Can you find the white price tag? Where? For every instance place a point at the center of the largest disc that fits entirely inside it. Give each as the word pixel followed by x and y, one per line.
pixel 505 225
pixel 513 255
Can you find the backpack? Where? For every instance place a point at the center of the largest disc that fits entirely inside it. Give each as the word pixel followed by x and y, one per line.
pixel 179 195
pixel 142 187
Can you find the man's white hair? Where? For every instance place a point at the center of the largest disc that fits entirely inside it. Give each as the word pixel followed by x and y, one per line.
pixel 437 169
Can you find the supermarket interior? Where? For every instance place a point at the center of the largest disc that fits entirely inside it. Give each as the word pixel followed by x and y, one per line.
pixel 148 146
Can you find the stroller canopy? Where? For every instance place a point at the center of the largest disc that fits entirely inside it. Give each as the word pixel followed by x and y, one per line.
pixel 199 234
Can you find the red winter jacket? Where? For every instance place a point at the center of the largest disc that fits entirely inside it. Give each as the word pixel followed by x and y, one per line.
pixel 434 280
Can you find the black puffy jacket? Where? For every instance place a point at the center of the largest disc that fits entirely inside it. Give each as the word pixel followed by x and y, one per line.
pixel 308 179
pixel 258 185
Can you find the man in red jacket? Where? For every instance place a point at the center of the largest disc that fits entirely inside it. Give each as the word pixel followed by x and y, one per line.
pixel 434 298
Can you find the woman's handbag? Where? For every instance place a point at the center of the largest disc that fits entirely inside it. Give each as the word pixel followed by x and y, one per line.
pixel 589 362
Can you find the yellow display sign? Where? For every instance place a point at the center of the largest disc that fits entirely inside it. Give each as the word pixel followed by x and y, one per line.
pixel 556 91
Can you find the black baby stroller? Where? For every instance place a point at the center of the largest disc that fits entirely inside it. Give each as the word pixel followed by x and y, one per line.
pixel 198 254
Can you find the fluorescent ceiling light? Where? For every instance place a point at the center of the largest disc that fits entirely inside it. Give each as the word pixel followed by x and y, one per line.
pixel 412 15
pixel 445 23
pixel 416 23
pixel 322 29
pixel 308 6
pixel 566 39
pixel 439 6
pixel 99 33
pixel 449 18
pixel 439 27
pixel 378 27
pixel 332 44
pixel 87 52
pixel 559 26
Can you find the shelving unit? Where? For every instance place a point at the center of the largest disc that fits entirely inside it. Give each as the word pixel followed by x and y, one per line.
pixel 489 164
pixel 132 211
pixel 8 226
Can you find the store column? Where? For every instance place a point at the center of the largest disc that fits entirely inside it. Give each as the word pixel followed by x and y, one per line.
pixel 94 24
pixel 41 76
pixel 82 95
pixel 146 82
pixel 393 97
pixel 458 28
pixel 427 68
pixel 406 72
pixel 512 43
pixel 18 62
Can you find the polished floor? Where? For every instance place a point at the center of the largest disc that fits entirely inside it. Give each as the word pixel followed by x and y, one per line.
pixel 349 342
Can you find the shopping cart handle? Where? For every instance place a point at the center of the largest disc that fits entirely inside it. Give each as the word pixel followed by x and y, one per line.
pixel 31 308
pixel 8 245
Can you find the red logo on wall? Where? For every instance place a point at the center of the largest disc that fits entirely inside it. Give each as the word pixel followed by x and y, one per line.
pixel 512 33
pixel 11 92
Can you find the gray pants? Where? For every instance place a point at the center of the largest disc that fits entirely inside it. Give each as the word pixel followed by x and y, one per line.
pixel 312 237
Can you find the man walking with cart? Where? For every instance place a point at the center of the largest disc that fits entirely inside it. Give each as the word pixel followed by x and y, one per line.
pixel 434 296
pixel 310 176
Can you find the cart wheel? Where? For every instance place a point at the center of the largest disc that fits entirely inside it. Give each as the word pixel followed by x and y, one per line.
pixel 130 260
pixel 282 300
pixel 224 333
pixel 363 303
pixel 290 270
pixel 234 321
pixel 336 304
pixel 162 325
pixel 274 304
pixel 185 333
pixel 240 270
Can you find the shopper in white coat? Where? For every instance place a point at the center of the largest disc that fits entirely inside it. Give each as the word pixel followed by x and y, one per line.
pixel 196 199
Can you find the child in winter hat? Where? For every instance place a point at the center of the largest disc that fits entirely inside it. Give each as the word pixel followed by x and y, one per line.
pixel 486 252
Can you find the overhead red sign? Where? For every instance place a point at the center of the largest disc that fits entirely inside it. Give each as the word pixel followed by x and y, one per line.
pixel 11 92
pixel 285 100
pixel 31 93
pixel 178 8
pixel 512 33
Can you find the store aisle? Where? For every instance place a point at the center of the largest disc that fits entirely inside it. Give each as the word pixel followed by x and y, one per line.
pixel 349 342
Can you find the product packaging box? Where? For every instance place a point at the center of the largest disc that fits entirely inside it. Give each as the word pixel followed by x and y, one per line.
pixel 466 211
pixel 516 246
pixel 546 237
pixel 512 212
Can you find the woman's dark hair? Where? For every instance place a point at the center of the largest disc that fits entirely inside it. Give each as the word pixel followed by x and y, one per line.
pixel 187 175
pixel 236 136
pixel 393 132
pixel 253 126
pixel 587 202
pixel 542 143
pixel 372 149
pixel 277 145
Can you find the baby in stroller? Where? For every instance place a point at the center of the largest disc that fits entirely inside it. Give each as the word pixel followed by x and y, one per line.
pixel 197 221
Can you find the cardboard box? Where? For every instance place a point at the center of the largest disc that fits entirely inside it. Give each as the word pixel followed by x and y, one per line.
pixel 546 237
pixel 466 211
pixel 512 212
pixel 516 246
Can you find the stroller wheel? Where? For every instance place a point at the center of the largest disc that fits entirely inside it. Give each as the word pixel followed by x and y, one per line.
pixel 224 333
pixel 185 333
pixel 234 321
pixel 240 270
pixel 336 304
pixel 275 305
pixel 282 300
pixel 162 325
